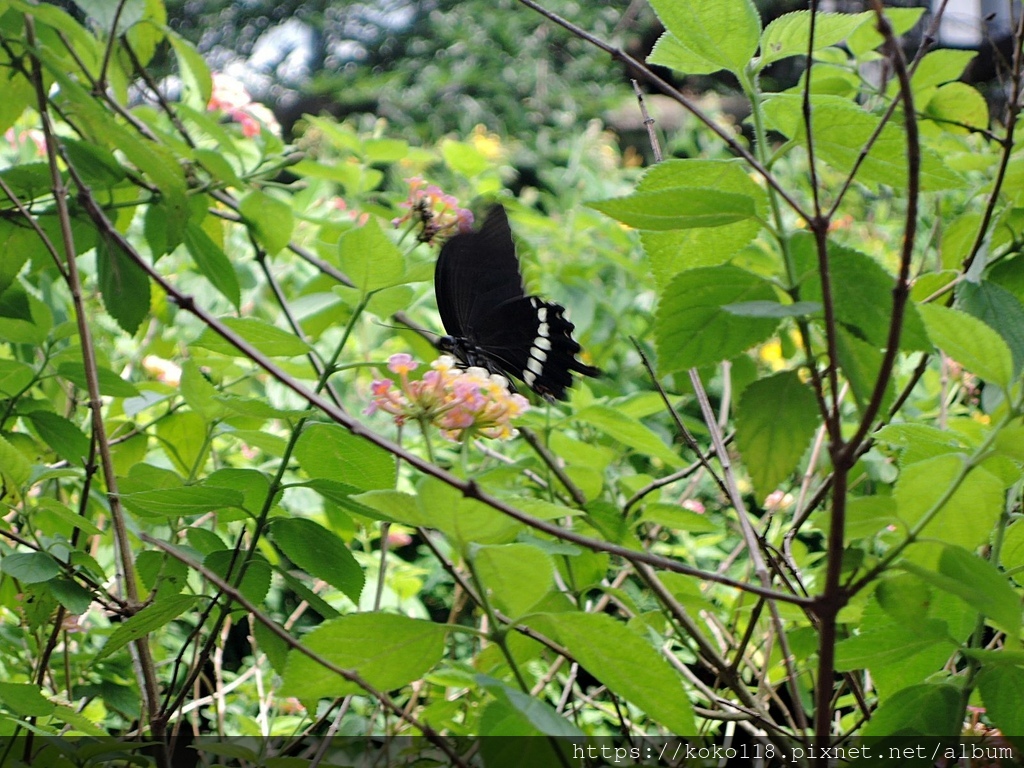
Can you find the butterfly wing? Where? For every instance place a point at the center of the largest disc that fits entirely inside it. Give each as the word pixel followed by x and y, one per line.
pixel 490 319
pixel 531 339
pixel 475 272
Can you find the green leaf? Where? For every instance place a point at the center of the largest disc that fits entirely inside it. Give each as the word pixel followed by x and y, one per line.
pixel 104 14
pixel 271 219
pixel 184 438
pixel 14 467
pixel 842 129
pixel 155 160
pixel 386 650
pixel 30 567
pixel 183 501
pixel 149 619
pixel 213 263
pixel 258 573
pixel 110 383
pixel 466 520
pixel 97 166
pixel 773 309
pixel 628 431
pixel 516 576
pixel 199 393
pixel 867 37
pixel 969 341
pixel 892 644
pixel 600 643
pixel 921 485
pixel 692 326
pixel 958 103
pixel 861 293
pixel 673 251
pixel 14 377
pixel 195 75
pixel 999 309
pixel 332 452
pixel 268 339
pixel 123 285
pixel 1002 692
pixel 369 259
pixel 714 36
pixel 678 208
pixel 861 363
pixel 25 699
pixel 790 34
pixel 978 583
pixel 464 158
pixel 71 595
pixel 66 439
pixel 515 713
pixel 920 710
pixel 24 319
pixel 776 420
pixel 320 553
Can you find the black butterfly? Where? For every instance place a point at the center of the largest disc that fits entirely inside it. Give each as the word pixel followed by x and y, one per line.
pixel 492 322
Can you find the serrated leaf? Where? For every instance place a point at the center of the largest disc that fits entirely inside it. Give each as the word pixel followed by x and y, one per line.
pixel 628 431
pixel 861 363
pixel 183 501
pixel 969 341
pixel 332 452
pixel 691 325
pixel 30 567
pixel 841 130
pixel 790 34
pixel 776 420
pixel 999 309
pixel 320 553
pixel 920 710
pixel 673 251
pixel 889 644
pixel 124 286
pixel 922 485
pixel 978 583
pixel 269 218
pixel 515 713
pixel 369 258
pixel 66 439
pixel 25 699
pixel 149 619
pixel 213 263
pixel 600 643
pixel 1002 692
pixel 15 377
pixel 715 36
pixel 678 208
pixel 958 106
pixel 268 339
pixel 516 576
pixel 386 650
pixel 110 383
pixel 195 75
pixel 861 293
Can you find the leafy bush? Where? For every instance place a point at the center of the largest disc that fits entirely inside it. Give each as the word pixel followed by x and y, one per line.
pixel 782 514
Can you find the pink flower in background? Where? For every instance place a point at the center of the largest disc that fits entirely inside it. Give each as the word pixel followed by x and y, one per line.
pixel 230 97
pixel 438 213
pixel 460 402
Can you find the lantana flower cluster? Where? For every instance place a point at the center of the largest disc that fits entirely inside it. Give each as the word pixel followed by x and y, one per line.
pixel 437 212
pixel 460 402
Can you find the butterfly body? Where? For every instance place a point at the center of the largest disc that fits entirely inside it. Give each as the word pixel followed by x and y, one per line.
pixel 492 323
